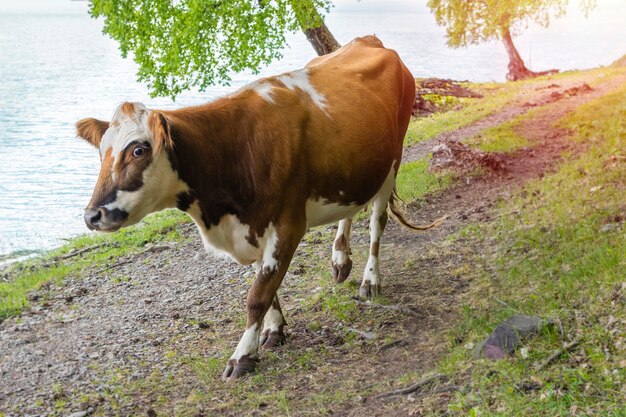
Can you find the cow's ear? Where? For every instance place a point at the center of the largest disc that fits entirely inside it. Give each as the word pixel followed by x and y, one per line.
pixel 161 131
pixel 91 130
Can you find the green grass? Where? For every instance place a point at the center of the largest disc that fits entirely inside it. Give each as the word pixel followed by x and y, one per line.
pixel 471 110
pixel 503 137
pixel 32 274
pixel 414 181
pixel 558 251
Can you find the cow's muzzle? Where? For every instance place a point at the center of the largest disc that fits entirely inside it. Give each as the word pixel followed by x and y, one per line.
pixel 104 220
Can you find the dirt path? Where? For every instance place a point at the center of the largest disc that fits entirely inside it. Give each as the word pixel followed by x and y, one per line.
pixel 151 336
pixel 541 94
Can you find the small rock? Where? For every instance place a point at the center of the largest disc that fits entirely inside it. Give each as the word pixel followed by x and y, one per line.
pixel 79 414
pixel 507 336
pixel 204 324
pixel 524 352
pixel 610 227
pixel 158 248
pixel 34 296
pixel 369 335
pixel 22 327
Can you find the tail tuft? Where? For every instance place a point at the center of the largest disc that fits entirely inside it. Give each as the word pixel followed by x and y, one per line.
pixel 397 213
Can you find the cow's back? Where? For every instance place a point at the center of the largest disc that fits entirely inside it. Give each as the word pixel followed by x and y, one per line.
pixel 354 141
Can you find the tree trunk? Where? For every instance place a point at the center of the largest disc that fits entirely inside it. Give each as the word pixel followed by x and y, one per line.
pixel 517 69
pixel 314 28
pixel 321 39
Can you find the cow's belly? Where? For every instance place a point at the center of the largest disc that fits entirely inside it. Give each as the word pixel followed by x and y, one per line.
pixel 321 211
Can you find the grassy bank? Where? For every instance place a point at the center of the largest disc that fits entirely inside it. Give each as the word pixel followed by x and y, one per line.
pixel 94 252
pixel 557 251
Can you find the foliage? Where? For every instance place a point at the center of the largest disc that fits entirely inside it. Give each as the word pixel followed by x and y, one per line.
pixel 196 43
pixel 482 20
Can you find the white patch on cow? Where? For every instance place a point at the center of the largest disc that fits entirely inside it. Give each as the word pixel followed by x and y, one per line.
pixel 300 79
pixel 372 271
pixel 248 344
pixel 273 320
pixel 340 257
pixel 228 238
pixel 263 89
pixel 270 238
pixel 125 129
pixel 321 211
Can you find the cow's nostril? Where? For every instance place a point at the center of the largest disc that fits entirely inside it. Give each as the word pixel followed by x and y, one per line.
pixel 93 217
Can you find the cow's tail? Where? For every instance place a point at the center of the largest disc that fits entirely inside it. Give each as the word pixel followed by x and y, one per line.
pixel 397 213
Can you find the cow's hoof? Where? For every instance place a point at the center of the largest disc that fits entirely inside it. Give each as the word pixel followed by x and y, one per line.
pixel 271 339
pixel 368 290
pixel 237 368
pixel 341 272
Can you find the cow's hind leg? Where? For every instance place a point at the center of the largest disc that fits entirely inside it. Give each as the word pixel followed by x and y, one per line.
pixel 371 285
pixel 342 264
pixel 273 324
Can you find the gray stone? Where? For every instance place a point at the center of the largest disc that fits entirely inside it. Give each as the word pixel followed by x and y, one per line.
pixel 79 414
pixel 610 227
pixel 525 326
pixel 507 336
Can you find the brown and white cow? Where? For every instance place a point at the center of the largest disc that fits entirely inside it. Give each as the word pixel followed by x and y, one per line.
pixel 257 168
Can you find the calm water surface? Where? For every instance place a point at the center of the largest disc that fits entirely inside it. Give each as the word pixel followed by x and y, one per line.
pixel 56 67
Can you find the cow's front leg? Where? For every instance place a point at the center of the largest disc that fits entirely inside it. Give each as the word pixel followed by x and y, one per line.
pixel 270 274
pixel 273 324
pixel 342 265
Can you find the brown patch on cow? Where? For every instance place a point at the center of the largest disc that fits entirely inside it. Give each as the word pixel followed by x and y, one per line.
pixel 91 130
pixel 129 109
pixel 341 244
pixel 184 200
pixel 382 221
pixel 252 239
pixel 245 156
pixel 375 247
pixel 129 168
pixel 128 171
pixel 104 192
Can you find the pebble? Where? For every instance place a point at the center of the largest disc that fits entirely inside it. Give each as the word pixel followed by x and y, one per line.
pixel 79 414
pixel 610 227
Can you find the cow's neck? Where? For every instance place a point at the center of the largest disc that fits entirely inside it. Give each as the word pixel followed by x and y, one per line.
pixel 209 157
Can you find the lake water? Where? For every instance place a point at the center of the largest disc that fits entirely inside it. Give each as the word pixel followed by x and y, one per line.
pixel 56 67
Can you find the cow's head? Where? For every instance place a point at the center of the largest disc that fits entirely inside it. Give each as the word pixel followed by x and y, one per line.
pixel 136 176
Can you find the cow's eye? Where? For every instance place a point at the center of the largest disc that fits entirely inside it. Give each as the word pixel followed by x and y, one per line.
pixel 138 151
